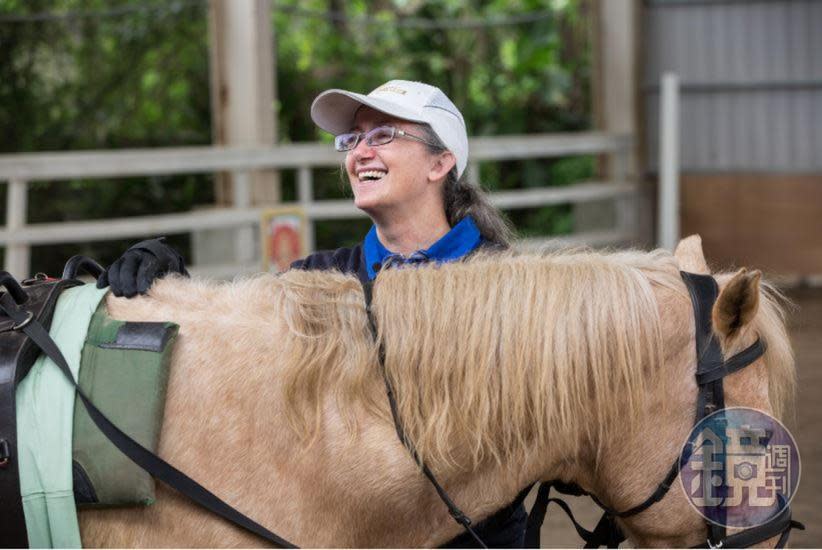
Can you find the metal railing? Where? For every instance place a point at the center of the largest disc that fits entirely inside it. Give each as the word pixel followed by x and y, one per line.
pixel 20 169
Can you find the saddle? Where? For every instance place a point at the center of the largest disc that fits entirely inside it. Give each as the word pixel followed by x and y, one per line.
pixel 115 354
pixel 38 296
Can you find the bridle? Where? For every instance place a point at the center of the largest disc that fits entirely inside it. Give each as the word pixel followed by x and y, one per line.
pixel 711 369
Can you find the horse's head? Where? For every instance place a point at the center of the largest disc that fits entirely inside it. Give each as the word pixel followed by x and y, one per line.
pixel 746 309
pixel 631 469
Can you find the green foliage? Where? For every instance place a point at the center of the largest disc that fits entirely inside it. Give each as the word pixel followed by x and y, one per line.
pixel 141 79
pixel 138 80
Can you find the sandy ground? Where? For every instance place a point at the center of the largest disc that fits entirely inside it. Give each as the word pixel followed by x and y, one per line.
pixel 806 335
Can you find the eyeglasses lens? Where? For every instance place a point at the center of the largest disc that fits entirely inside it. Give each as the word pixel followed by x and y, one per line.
pixel 346 142
pixel 380 135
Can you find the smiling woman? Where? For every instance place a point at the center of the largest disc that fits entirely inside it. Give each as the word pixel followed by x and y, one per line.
pixel 406 151
pixel 406 148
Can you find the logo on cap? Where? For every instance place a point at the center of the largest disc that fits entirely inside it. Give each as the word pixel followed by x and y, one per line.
pixel 389 88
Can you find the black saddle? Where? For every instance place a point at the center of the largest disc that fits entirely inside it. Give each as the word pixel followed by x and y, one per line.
pixel 38 298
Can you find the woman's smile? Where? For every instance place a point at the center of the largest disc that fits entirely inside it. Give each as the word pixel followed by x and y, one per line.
pixel 370 175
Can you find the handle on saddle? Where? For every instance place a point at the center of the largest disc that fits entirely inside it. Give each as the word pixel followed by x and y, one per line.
pixel 13 287
pixel 84 263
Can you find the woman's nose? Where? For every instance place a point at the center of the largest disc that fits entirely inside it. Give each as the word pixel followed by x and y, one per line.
pixel 362 150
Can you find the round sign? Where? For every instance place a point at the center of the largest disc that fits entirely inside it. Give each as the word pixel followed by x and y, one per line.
pixel 739 467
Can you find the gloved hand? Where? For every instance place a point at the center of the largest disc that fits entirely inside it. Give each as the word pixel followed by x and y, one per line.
pixel 134 272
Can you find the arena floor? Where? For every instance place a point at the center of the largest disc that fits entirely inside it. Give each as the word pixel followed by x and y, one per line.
pixel 806 334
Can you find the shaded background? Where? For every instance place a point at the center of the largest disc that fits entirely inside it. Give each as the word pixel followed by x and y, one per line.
pixel 94 74
pixel 109 78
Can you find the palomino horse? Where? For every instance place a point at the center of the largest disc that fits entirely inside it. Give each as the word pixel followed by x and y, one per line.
pixel 508 369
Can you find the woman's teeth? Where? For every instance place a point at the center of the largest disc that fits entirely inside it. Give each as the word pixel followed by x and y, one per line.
pixel 371 175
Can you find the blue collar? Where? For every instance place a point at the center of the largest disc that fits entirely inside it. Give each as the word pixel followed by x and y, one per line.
pixel 459 241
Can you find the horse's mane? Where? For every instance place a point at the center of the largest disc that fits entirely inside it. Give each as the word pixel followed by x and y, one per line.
pixel 489 355
pixel 770 325
pixel 486 356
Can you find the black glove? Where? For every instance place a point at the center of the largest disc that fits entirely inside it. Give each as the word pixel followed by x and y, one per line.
pixel 134 272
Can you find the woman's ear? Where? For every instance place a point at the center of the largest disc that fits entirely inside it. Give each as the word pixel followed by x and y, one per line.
pixel 443 164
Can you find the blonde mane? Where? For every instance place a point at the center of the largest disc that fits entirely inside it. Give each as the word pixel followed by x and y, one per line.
pixel 770 325
pixel 489 355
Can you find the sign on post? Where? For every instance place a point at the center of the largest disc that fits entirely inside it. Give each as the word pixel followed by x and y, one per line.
pixel 283 237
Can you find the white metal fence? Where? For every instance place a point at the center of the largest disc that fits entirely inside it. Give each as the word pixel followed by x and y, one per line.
pixel 18 170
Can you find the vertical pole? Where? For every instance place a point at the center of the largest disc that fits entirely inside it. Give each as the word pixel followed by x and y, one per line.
pixel 18 256
pixel 615 77
pixel 668 216
pixel 244 236
pixel 626 208
pixel 243 88
pixel 473 174
pixel 305 195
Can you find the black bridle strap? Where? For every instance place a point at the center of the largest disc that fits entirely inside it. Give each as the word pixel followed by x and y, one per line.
pixel 711 369
pixel 735 363
pixel 779 525
pixel 141 456
pixel 606 532
pixel 658 494
pixel 453 509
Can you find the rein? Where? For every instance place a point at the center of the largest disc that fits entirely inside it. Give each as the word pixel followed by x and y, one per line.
pixel 453 509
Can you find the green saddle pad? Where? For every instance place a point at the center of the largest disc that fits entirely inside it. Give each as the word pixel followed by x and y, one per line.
pixel 124 371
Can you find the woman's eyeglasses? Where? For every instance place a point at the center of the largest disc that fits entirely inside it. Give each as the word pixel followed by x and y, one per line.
pixel 378 136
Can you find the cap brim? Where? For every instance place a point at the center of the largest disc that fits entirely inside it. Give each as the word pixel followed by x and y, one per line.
pixel 334 110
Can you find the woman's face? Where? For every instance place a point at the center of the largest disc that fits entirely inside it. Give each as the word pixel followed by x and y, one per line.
pixel 396 177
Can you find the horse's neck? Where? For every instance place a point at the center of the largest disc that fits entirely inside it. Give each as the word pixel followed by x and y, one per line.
pixel 225 425
pixel 635 461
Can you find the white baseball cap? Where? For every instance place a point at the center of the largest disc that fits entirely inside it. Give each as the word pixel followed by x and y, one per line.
pixel 334 110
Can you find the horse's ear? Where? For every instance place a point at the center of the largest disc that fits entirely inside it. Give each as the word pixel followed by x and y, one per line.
pixel 690 256
pixel 737 303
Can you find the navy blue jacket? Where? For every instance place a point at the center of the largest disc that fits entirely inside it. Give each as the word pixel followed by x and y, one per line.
pixel 504 529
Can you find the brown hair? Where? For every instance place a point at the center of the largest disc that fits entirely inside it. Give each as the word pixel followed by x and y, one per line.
pixel 463 198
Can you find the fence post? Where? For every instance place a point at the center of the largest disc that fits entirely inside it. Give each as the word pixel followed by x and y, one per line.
pixel 473 175
pixel 305 196
pixel 668 215
pixel 244 236
pixel 18 256
pixel 626 208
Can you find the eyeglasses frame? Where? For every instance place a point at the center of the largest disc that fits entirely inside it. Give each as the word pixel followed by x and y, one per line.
pixel 395 132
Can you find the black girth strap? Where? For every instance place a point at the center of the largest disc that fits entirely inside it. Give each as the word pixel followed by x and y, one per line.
pixel 141 456
pixel 453 509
